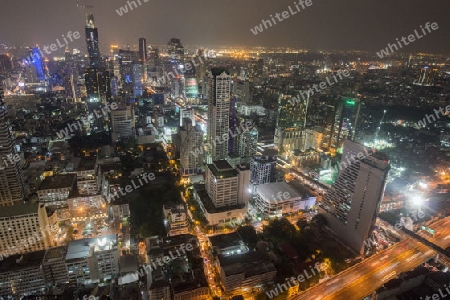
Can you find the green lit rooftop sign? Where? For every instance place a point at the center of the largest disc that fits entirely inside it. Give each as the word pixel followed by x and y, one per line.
pixel 350 102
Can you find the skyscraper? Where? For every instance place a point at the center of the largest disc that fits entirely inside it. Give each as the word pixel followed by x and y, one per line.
pixel 290 122
pixel 219 89
pixel 352 204
pixel 95 60
pixel 142 50
pixel 344 124
pixel 12 187
pixel 191 138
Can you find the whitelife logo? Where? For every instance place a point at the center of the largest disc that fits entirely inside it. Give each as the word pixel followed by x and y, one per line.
pixel 322 85
pixel 284 15
pixel 293 281
pixel 244 127
pixel 64 133
pixel 411 38
pixel 423 123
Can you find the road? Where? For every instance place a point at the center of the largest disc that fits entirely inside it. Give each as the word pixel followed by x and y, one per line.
pixel 362 279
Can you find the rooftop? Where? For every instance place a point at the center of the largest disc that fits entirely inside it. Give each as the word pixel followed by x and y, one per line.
pixel 225 240
pixel 19 210
pixel 251 264
pixel 271 191
pixel 86 247
pixel 58 182
pixel 22 261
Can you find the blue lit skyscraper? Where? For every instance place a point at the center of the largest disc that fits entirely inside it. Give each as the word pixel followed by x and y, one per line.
pixel 37 62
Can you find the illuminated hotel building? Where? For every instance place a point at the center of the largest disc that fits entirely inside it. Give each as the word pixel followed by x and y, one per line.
pixel 427 76
pixel 352 204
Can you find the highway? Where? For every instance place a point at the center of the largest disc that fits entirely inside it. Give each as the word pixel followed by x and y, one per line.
pixel 362 279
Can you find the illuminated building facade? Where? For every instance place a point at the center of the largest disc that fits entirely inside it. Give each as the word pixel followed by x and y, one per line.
pixel 289 127
pixel 219 85
pixel 352 204
pixel 12 187
pixel 343 126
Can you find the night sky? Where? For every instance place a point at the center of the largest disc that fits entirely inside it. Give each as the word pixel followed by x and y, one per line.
pixel 326 25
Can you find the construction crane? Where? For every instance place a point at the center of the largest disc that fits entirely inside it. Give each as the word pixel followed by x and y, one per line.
pixel 84 6
pixel 377 131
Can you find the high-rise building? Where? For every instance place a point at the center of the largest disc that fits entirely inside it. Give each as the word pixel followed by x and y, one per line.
pixel 427 76
pixel 175 50
pixel 122 123
pixel 227 186
pixel 27 228
pixel 352 204
pixel 95 60
pixel 191 139
pixel 290 123
pixel 12 188
pixel 98 85
pixel 142 50
pixel 247 144
pixel 263 169
pixel 187 113
pixel 343 126
pixel 219 91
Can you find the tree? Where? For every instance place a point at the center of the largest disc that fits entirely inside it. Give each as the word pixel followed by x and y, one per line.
pixel 302 223
pixel 319 221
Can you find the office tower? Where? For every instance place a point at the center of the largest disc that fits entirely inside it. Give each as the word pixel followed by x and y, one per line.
pixel 142 50
pixel 290 123
pixel 70 76
pixel 175 50
pixel 352 204
pixel 191 89
pixel 191 138
pixel 127 60
pixel 122 123
pixel 343 126
pixel 263 169
pixel 95 60
pixel 219 84
pixel 226 186
pixel 38 62
pixel 12 188
pixel 138 78
pixel 98 85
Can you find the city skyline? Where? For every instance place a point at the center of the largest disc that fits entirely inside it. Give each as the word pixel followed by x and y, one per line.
pixel 378 24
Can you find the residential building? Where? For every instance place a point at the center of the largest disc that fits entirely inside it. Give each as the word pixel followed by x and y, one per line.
pixel 263 169
pixel 54 267
pixel 55 190
pixel 122 123
pixel 191 148
pixel 245 271
pixel 12 187
pixel 219 91
pixel 92 260
pixel 27 228
pixel 175 219
pixel 21 275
